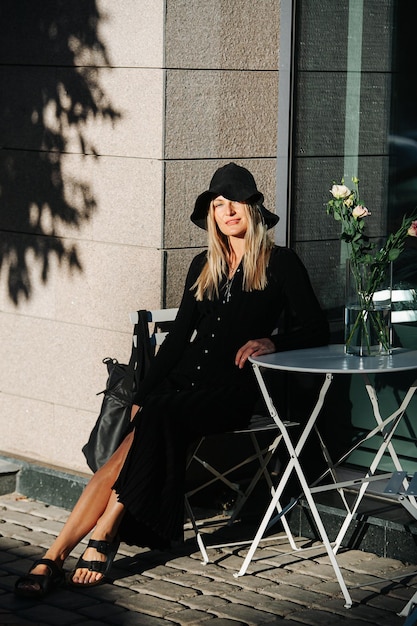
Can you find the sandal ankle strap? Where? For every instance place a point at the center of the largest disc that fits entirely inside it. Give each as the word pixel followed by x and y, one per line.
pixel 100 545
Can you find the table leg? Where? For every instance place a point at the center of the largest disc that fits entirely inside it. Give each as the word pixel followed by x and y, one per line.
pixel 294 465
pixel 393 419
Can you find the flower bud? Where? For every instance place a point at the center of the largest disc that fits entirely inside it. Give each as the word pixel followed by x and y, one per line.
pixel 360 211
pixel 412 231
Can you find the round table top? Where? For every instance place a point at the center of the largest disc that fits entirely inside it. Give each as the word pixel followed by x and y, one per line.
pixel 333 360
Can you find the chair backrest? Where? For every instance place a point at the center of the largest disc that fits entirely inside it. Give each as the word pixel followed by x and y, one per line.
pixel 404 306
pixel 161 318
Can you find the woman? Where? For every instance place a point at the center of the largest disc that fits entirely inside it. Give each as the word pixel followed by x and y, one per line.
pixel 234 295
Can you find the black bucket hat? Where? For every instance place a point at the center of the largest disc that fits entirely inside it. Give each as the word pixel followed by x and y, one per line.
pixel 235 183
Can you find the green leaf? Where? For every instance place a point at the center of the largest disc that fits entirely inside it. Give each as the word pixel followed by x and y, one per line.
pixel 394 254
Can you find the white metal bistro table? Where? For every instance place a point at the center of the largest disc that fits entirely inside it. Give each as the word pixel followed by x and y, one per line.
pixel 330 360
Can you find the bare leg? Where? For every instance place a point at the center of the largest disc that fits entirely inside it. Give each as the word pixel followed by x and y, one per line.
pixel 105 530
pixel 97 505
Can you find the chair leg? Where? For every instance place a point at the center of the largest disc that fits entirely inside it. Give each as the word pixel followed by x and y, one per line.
pixel 260 455
pixel 263 459
pixel 197 532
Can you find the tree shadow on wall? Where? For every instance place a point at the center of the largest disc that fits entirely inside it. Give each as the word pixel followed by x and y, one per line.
pixel 50 60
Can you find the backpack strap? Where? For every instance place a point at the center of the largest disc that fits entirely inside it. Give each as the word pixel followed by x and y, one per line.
pixel 141 354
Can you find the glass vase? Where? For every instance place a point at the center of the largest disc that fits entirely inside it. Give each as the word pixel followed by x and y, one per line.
pixel 368 330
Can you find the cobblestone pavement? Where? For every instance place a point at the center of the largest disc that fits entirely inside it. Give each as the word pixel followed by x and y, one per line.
pixel 153 588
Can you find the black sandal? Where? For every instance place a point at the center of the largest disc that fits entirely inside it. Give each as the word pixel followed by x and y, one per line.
pixel 103 567
pixel 46 582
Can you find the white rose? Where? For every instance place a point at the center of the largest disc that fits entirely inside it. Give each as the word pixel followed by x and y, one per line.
pixel 360 211
pixel 340 191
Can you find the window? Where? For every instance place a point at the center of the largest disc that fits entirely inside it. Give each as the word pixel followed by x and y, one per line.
pixel 342 84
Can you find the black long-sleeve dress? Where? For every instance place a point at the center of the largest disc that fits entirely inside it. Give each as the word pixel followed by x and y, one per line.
pixel 194 387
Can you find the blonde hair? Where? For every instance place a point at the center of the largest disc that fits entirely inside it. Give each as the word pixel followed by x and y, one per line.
pixel 255 260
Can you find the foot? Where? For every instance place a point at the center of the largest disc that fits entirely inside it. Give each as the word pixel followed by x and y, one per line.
pixel 95 563
pixel 44 576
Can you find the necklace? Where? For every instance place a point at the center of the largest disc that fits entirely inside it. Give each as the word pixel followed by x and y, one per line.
pixel 229 283
pixel 228 288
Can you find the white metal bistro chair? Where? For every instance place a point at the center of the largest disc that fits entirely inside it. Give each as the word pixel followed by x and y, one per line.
pixel 260 454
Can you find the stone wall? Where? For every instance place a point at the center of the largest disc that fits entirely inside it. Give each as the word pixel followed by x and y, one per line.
pixel 114 117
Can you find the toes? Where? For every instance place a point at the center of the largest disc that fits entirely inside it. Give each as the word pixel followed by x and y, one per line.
pixel 93 577
pixel 85 577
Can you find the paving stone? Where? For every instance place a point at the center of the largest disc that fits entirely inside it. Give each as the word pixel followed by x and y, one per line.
pixel 213 587
pixel 26 551
pixel 191 617
pixel 165 590
pixel 160 571
pixel 131 551
pixel 233 564
pixel 151 605
pixel 378 566
pixel 9 619
pixel 279 607
pixel 323 571
pixel 50 526
pixel 258 601
pixel 7 543
pixel 187 564
pixel 336 605
pixel 20 566
pixel 218 621
pixel 246 614
pixel 270 591
pixel 275 574
pixel 44 613
pixel 255 583
pixel 102 611
pixel 69 599
pixel 135 619
pixel 21 518
pixel 285 560
pixel 385 602
pixel 6 557
pixel 331 588
pixel 105 593
pixel 354 579
pixel 193 581
pixel 300 580
pixel 359 611
pixel 90 622
pixel 128 581
pixel 314 617
pixel 305 597
pixel 155 588
pixel 402 592
pixel 9 602
pixel 26 534
pixel 352 557
pixel 205 602
pixel 7 582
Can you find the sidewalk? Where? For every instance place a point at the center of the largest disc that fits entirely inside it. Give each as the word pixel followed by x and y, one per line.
pixel 153 588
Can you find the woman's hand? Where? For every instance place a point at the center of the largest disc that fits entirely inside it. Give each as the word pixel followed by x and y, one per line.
pixel 135 409
pixel 254 347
